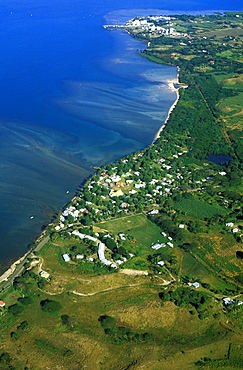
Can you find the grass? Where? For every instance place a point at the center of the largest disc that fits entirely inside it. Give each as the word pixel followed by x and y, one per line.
pixel 193 268
pixel 199 209
pixel 220 33
pixel 124 224
pixel 148 235
pixel 136 307
pixel 232 101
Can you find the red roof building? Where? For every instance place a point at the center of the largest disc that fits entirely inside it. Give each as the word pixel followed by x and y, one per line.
pixel 2 304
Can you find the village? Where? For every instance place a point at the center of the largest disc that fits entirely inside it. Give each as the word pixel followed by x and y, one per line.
pixel 152 25
pixel 116 188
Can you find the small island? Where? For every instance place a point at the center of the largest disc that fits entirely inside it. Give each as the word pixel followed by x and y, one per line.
pixel 143 269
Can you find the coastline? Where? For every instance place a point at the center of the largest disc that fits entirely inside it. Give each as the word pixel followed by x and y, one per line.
pixel 171 84
pixel 12 268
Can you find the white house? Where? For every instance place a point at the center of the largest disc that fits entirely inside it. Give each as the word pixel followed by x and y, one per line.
pixel 157 246
pixel 66 257
pixel 228 301
pixel 79 256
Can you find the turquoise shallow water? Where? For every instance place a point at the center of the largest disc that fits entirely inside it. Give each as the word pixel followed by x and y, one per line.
pixel 73 95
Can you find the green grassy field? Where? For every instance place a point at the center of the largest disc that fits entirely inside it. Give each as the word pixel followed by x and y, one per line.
pixel 199 209
pixel 124 224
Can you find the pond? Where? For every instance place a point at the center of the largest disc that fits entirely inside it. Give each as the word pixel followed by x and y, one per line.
pixel 220 159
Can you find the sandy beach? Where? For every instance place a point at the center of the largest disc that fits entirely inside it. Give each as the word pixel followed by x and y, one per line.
pixel 171 84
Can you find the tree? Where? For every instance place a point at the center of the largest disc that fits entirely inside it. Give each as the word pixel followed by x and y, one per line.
pixel 50 306
pixel 19 283
pixel 68 321
pixel 194 227
pixel 110 243
pixel 5 358
pixel 26 301
pixel 107 322
pixel 239 254
pixel 15 309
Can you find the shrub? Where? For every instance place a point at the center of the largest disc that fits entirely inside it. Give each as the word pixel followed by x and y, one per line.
pixel 13 335
pixel 23 325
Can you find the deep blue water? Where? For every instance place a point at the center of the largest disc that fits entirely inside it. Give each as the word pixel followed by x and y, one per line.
pixel 72 96
pixel 220 159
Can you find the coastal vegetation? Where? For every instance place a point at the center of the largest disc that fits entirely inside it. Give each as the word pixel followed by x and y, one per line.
pixel 143 269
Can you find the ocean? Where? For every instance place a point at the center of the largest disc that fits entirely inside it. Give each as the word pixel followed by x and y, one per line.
pixel 73 95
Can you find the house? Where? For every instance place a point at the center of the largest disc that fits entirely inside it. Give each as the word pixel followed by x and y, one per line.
pixel 79 256
pixel 136 23
pixel 157 246
pixel 124 205
pixel 170 244
pixel 195 285
pixel 92 238
pixel 229 224
pixel 122 236
pixel 119 262
pixel 2 304
pixel 75 232
pixel 181 226
pixel 90 259
pixel 228 301
pixel 153 212
pixel 161 263
pixel 132 191
pixel 44 274
pixel 117 193
pixel 101 255
pixel 66 257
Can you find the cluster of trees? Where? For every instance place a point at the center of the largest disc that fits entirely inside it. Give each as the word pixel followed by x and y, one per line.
pixel 185 296
pixel 18 307
pixel 120 335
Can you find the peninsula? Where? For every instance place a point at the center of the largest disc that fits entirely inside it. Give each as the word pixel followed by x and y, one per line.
pixel 143 269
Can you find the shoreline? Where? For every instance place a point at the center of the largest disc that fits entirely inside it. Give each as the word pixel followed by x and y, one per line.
pixel 171 85
pixel 12 268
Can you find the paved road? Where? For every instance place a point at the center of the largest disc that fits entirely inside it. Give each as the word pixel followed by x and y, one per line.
pixel 21 267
